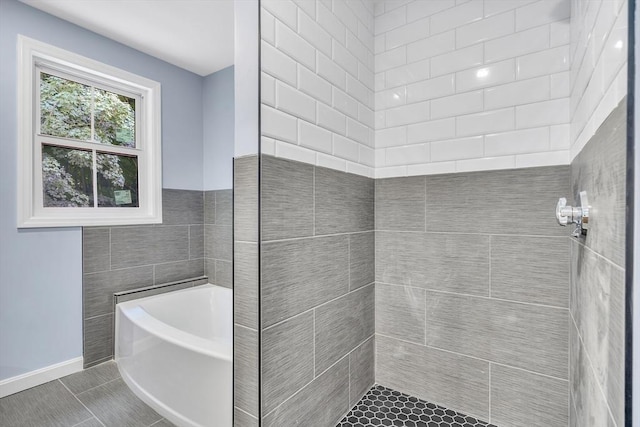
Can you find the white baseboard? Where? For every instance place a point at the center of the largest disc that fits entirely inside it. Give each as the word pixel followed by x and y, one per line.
pixel 40 376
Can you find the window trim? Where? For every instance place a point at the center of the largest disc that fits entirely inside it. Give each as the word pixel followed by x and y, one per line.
pixel 31 55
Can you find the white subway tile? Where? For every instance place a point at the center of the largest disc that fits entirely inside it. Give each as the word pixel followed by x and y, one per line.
pixel 331 162
pixel 358 131
pixel 365 16
pixel 378 8
pixel 422 9
pixel 542 63
pixel 456 105
pixel 431 168
pixel 267 89
pixel 379 82
pixel 614 52
pixel 390 172
pixel 493 7
pixel 456 16
pixel 367 156
pixel 408 154
pixel 391 98
pixel 407 74
pixel 391 137
pixel 380 155
pixel 358 90
pixel 457 60
pixel 542 12
pixel 488 75
pixel 407 114
pixel 390 20
pixel 433 130
pixel 432 88
pixel 517 93
pixel 267 146
pixel 366 116
pixel 307 6
pixel 550 158
pixel 359 50
pixel 603 25
pixel 485 122
pixel 278 64
pixel 345 14
pixel 345 59
pixel 314 34
pixel 331 119
pixel 560 86
pixel 559 137
pixel 390 59
pixel 295 46
pixel 361 170
pixel 517 44
pixel 560 33
pixel 407 33
pixel 517 142
pixel 379 44
pixel 546 113
pixel 294 102
pixel 432 46
pixel 366 76
pixel 345 148
pixel 311 84
pixel 278 125
pixel 457 149
pixel 379 119
pixel 267 26
pixel 330 71
pixel 295 152
pixel 285 10
pixel 330 23
pixel 486 29
pixel 485 164
pixel 314 137
pixel 344 103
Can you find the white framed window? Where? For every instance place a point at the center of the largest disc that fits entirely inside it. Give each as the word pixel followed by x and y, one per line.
pixel 89 141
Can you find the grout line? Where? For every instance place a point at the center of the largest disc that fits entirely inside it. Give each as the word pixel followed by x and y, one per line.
pixel 245 412
pixel 475 296
pixel 100 385
pixel 83 421
pixel 541 236
pixel 80 401
pixel 597 254
pixel 319 305
pixel 318 236
pixel 474 357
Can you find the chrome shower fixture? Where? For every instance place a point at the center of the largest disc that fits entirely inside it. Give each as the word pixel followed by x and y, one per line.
pixel 578 215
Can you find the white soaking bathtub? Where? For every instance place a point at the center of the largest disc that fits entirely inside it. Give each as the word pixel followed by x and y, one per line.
pixel 175 353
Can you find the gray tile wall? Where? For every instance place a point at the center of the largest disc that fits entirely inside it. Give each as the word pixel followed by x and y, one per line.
pixel 218 244
pixel 119 259
pixel 317 292
pixel 472 293
pixel 245 292
pixel 597 279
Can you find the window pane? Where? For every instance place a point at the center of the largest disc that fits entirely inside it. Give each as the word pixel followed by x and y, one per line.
pixel 115 119
pixel 67 178
pixel 117 180
pixel 65 108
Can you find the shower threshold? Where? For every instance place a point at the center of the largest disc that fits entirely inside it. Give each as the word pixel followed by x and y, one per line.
pixel 382 406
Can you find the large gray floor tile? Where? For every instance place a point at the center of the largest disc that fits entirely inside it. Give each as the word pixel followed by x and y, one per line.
pixel 362 370
pixel 530 269
pixel 400 204
pixel 400 312
pixel 361 259
pixel 182 207
pixel 287 359
pixel 286 198
pixel 50 405
pixel 245 192
pixel 300 274
pixel 320 404
pixel 132 246
pixel 526 194
pixel 98 288
pixel 242 419
pixel 116 406
pixel 98 339
pixel 343 202
pixel 523 399
pixel 341 325
pixel 441 377
pixel 525 336
pixel 245 369
pixel 597 305
pixel 93 422
pixel 95 249
pixel 446 262
pixel 92 377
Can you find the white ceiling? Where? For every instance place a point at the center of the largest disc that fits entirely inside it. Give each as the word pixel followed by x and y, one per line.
pixel 196 35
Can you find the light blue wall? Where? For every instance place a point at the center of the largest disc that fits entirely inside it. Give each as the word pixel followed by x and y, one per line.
pixel 218 125
pixel 41 270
